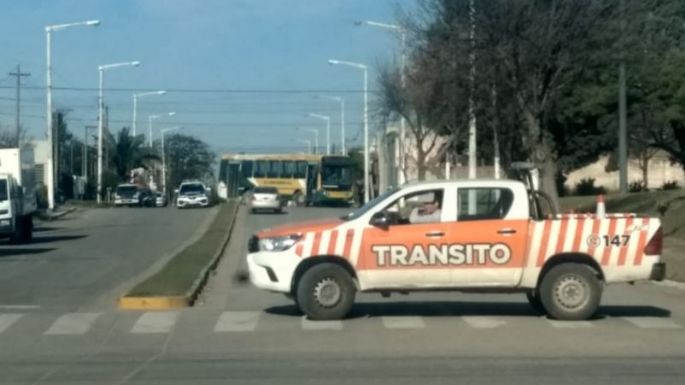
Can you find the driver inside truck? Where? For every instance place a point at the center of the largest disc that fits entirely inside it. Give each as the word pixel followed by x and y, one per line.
pixel 428 212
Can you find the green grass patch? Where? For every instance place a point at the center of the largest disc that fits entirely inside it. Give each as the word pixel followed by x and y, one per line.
pixel 180 273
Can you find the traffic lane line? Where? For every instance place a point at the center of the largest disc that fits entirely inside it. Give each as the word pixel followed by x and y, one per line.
pixel 155 322
pixel 72 323
pixel 237 321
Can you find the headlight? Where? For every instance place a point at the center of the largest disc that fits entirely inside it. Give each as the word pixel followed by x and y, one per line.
pixel 278 243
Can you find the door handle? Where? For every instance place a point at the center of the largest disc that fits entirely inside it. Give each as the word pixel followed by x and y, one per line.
pixel 507 231
pixel 435 234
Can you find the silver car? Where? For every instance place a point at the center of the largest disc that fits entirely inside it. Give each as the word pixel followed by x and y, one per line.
pixel 266 198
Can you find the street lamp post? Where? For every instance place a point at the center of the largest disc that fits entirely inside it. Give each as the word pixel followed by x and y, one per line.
pixel 365 69
pixel 149 125
pixel 135 106
pixel 308 143
pixel 101 107
pixel 342 119
pixel 315 131
pixel 403 64
pixel 328 129
pixel 48 80
pixel 161 134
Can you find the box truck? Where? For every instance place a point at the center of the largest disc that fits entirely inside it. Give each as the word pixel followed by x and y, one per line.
pixel 17 193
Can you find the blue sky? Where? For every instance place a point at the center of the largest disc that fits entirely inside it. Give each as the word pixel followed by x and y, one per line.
pixel 199 45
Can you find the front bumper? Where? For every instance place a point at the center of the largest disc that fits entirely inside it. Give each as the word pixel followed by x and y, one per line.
pixel 126 201
pixel 658 272
pixel 201 202
pixel 273 271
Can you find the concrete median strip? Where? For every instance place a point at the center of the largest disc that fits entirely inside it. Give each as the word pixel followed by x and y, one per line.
pixel 179 282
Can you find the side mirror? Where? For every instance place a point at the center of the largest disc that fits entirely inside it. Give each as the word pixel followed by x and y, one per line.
pixel 175 191
pixel 380 220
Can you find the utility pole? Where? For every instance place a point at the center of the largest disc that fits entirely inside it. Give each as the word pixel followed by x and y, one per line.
pixel 19 75
pixel 472 86
pixel 622 129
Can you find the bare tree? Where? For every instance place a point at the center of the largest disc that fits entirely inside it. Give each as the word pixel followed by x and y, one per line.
pixel 413 103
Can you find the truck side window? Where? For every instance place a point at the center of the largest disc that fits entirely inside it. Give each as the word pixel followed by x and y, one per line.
pixel 483 203
pixel 416 207
pixel 3 190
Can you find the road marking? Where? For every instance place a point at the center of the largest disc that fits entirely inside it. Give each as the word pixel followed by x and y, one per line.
pixel 403 322
pixel 155 322
pixel 570 324
pixel 6 320
pixel 237 321
pixel 652 322
pixel 308 324
pixel 19 307
pixel 72 323
pixel 480 322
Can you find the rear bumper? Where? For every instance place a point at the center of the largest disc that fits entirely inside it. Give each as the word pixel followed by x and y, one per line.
pixel 273 205
pixel 658 272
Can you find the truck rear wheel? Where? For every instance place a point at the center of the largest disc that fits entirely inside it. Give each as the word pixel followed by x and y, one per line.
pixel 570 291
pixel 325 292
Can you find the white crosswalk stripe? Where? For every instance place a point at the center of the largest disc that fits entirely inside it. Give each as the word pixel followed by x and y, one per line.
pixel 237 321
pixel 570 324
pixel 7 320
pixel 155 322
pixel 72 323
pixel 404 322
pixel 481 322
pixel 308 324
pixel 652 322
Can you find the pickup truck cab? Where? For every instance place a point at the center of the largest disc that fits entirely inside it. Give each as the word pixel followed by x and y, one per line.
pixel 470 235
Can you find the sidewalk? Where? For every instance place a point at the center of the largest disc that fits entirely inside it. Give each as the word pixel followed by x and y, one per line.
pixel 673 255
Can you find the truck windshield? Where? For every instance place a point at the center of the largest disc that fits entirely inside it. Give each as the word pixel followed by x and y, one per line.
pixel 3 190
pixel 126 190
pixel 371 204
pixel 192 189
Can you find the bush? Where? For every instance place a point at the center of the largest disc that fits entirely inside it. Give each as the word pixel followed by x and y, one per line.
pixel 587 187
pixel 670 185
pixel 637 186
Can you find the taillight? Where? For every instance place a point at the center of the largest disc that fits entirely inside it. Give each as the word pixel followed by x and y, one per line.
pixel 654 245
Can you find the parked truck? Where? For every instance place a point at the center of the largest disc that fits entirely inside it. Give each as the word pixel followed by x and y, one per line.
pixel 17 194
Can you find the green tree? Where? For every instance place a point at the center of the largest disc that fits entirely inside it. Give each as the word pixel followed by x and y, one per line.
pixel 188 158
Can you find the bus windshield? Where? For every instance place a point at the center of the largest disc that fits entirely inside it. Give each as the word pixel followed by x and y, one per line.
pixel 336 175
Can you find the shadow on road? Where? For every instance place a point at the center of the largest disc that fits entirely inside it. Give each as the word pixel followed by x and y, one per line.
pixel 26 251
pixel 442 309
pixel 41 229
pixel 56 238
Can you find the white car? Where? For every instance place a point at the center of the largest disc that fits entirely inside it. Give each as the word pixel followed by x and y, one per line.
pixel 192 194
pixel 266 198
pixel 127 195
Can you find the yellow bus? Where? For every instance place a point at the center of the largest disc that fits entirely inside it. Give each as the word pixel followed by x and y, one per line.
pixel 306 179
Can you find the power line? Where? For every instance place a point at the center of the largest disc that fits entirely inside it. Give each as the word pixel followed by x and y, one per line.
pixel 208 90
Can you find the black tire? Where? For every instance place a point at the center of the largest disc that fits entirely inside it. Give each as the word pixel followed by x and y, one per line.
pixel 571 291
pixel 534 300
pixel 325 292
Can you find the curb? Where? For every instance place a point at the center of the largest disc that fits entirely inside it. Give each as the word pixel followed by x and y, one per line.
pixel 50 217
pixel 187 300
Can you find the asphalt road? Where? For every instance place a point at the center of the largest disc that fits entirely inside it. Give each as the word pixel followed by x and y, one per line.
pixel 241 335
pixel 80 261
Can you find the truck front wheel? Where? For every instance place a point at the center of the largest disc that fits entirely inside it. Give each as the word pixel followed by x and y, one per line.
pixel 325 292
pixel 570 291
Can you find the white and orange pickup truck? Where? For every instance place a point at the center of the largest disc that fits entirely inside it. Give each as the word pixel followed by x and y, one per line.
pixel 471 235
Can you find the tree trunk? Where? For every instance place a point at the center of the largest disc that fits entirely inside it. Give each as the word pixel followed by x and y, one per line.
pixel 645 169
pixel 420 161
pixel 542 155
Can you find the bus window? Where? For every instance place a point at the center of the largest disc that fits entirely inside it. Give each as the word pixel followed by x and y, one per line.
pixel 262 170
pixel 288 169
pixel 276 169
pixel 301 169
pixel 246 168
